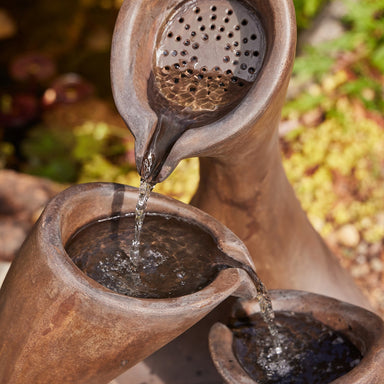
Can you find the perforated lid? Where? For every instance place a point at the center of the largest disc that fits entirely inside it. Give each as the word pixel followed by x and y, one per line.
pixel 208 54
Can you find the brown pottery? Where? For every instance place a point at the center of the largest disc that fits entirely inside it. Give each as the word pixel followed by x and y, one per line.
pixel 363 328
pixel 58 325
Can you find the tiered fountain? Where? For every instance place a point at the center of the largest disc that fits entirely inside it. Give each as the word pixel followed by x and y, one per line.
pixel 190 78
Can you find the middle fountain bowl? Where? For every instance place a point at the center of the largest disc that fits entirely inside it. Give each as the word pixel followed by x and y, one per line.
pixel 78 330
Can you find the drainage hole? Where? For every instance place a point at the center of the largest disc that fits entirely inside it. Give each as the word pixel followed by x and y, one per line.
pixel 251 70
pixel 236 43
pixel 244 22
pixel 226 20
pixel 234 79
pixel 196 10
pixel 243 66
pixel 187 26
pixel 187 43
pixel 193 33
pixel 226 59
pixel 238 53
pixel 218 37
pixel 194 59
pixel 200 18
pixel 222 29
pixel 227 47
pixel 195 46
pixel 213 26
pixel 181 20
pixel 167 67
pixel 241 84
pixel 247 53
pixel 190 71
pixel 235 62
pixel 228 72
pixel 178 38
pixel 213 8
pixel 177 66
pixel 245 40
pixel 174 53
pixel 200 76
pixel 230 34
pixel 229 12
pixel 217 69
pixel 205 37
pixel 204 69
pixel 256 53
pixel 202 28
pixel 170 34
pixel 213 17
pixel 253 37
pixel 183 53
pixel 165 53
pixel 237 28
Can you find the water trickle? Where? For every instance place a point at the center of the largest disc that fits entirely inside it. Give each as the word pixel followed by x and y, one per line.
pixel 265 303
pixel 142 201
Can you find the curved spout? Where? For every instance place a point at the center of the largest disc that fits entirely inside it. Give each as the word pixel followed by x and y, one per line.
pixel 167 132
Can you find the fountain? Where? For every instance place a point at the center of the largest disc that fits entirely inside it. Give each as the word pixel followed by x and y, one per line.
pixel 205 79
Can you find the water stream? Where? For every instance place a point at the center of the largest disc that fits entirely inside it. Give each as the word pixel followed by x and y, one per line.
pixel 142 201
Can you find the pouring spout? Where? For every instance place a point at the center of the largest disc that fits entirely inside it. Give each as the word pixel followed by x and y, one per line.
pixel 167 132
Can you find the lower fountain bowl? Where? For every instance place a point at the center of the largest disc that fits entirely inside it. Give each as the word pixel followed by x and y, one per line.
pixel 363 328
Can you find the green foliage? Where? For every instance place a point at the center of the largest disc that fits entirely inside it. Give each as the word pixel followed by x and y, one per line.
pixel 337 168
pixel 68 155
pixel 306 10
pixel 363 39
pixel 47 155
pixel 337 171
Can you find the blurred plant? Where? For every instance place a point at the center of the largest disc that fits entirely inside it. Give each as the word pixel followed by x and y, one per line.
pixel 306 10
pixel 360 50
pixel 337 169
pixel 96 151
pixel 6 153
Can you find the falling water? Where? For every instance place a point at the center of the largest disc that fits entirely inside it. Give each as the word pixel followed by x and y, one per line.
pixel 142 201
pixel 145 190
